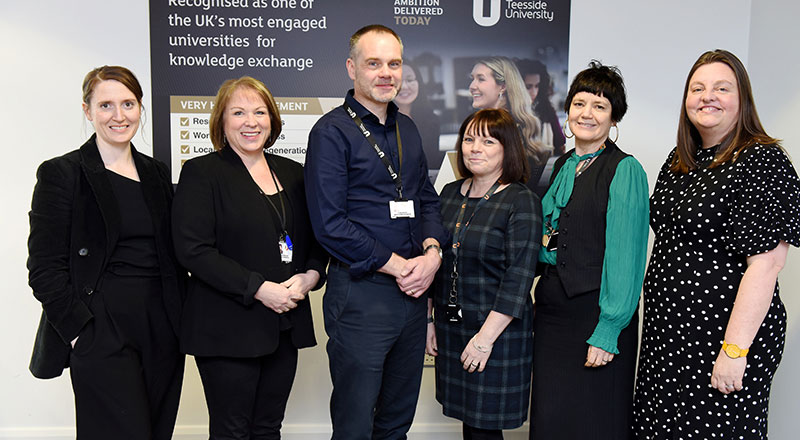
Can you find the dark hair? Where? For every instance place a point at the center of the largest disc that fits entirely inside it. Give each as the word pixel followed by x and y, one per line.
pixel 535 67
pixel 498 124
pixel 378 28
pixel 115 73
pixel 747 132
pixel 600 80
pixel 226 90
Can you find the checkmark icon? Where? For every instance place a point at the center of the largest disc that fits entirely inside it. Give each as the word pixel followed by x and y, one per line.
pixel 185 134
pixel 184 122
pixel 184 149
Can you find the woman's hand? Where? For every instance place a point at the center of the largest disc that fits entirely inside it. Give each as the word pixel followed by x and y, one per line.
pixel 728 373
pixel 278 297
pixel 431 348
pixel 476 354
pixel 302 283
pixel 597 357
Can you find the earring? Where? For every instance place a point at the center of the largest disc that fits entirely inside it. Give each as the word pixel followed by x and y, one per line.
pixel 566 130
pixel 617 136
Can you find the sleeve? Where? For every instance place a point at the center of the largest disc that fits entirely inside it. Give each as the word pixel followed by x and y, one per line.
pixel 625 254
pixel 765 207
pixel 194 232
pixel 49 248
pixel 521 248
pixel 431 209
pixel 317 256
pixel 326 181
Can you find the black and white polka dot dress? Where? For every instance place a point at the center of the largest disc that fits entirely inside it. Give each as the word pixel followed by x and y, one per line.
pixel 706 223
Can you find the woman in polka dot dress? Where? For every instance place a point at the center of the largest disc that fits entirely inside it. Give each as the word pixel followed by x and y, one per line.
pixel 724 212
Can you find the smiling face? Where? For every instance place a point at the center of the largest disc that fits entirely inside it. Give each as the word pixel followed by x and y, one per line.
pixel 410 90
pixel 590 120
pixel 114 112
pixel 712 102
pixel 377 69
pixel 482 153
pixel 484 88
pixel 245 122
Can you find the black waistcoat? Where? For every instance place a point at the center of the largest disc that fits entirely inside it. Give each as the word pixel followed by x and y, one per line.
pixel 582 224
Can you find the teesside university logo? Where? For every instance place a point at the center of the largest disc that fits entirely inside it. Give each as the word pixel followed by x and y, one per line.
pixel 486 12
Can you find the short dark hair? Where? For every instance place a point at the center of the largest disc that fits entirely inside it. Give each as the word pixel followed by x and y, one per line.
pixel 115 73
pixel 600 80
pixel 379 28
pixel 226 90
pixel 747 132
pixel 498 124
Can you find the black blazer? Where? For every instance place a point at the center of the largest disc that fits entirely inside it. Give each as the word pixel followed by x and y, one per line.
pixel 75 224
pixel 226 237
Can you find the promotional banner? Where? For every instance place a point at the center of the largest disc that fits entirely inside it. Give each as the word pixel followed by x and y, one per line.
pixel 298 48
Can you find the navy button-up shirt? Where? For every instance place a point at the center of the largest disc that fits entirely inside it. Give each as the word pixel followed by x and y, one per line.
pixel 348 189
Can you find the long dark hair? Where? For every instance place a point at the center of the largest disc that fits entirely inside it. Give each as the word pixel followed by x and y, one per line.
pixel 747 132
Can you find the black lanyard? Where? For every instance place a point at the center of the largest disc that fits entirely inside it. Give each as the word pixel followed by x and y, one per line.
pixel 396 177
pixel 458 234
pixel 282 213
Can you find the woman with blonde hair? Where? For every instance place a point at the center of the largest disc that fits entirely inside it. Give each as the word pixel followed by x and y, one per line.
pixel 497 83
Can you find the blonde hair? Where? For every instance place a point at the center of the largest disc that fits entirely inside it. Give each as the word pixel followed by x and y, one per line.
pixel 518 103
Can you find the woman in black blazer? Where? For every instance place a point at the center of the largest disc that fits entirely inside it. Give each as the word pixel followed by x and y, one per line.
pixel 101 262
pixel 241 228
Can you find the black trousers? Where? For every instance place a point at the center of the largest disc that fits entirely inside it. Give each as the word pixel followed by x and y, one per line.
pixel 375 349
pixel 247 397
pixel 126 368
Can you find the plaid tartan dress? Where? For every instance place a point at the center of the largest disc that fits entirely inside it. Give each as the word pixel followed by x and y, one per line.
pixel 496 268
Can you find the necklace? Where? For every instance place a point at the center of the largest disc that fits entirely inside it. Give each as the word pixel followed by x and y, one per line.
pixel 589 158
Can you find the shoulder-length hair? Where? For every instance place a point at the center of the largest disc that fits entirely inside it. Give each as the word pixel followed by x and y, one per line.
pixel 226 90
pixel 499 124
pixel 747 131
pixel 519 104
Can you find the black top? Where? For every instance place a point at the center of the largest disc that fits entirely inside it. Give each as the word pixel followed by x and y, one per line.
pixel 226 234
pixel 135 253
pixel 75 225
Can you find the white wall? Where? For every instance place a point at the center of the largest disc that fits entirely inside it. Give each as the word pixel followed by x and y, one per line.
pixel 773 72
pixel 49 45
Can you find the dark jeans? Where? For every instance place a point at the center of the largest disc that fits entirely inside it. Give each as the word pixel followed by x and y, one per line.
pixel 376 347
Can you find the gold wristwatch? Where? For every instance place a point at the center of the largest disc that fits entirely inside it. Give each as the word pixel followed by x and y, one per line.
pixel 733 351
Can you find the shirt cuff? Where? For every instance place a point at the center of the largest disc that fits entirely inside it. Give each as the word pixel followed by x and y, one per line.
pixel 605 336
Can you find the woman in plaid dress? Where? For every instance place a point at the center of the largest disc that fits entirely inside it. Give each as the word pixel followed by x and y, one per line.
pixel 481 299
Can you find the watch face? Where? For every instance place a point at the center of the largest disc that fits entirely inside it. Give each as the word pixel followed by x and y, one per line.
pixel 732 351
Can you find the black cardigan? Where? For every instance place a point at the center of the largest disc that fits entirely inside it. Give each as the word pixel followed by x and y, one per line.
pixel 75 223
pixel 226 238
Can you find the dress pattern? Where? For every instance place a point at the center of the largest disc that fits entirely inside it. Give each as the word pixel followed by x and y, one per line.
pixel 496 271
pixel 706 223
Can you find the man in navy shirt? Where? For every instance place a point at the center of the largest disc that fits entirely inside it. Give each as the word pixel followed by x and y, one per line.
pixel 374 209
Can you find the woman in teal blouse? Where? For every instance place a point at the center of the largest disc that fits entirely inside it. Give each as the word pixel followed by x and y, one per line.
pixel 595 227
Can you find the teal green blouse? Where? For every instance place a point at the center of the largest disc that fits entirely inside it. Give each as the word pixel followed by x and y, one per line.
pixel 627 230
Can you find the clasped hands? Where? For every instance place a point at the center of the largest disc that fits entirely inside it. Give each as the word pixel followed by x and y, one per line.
pixel 284 296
